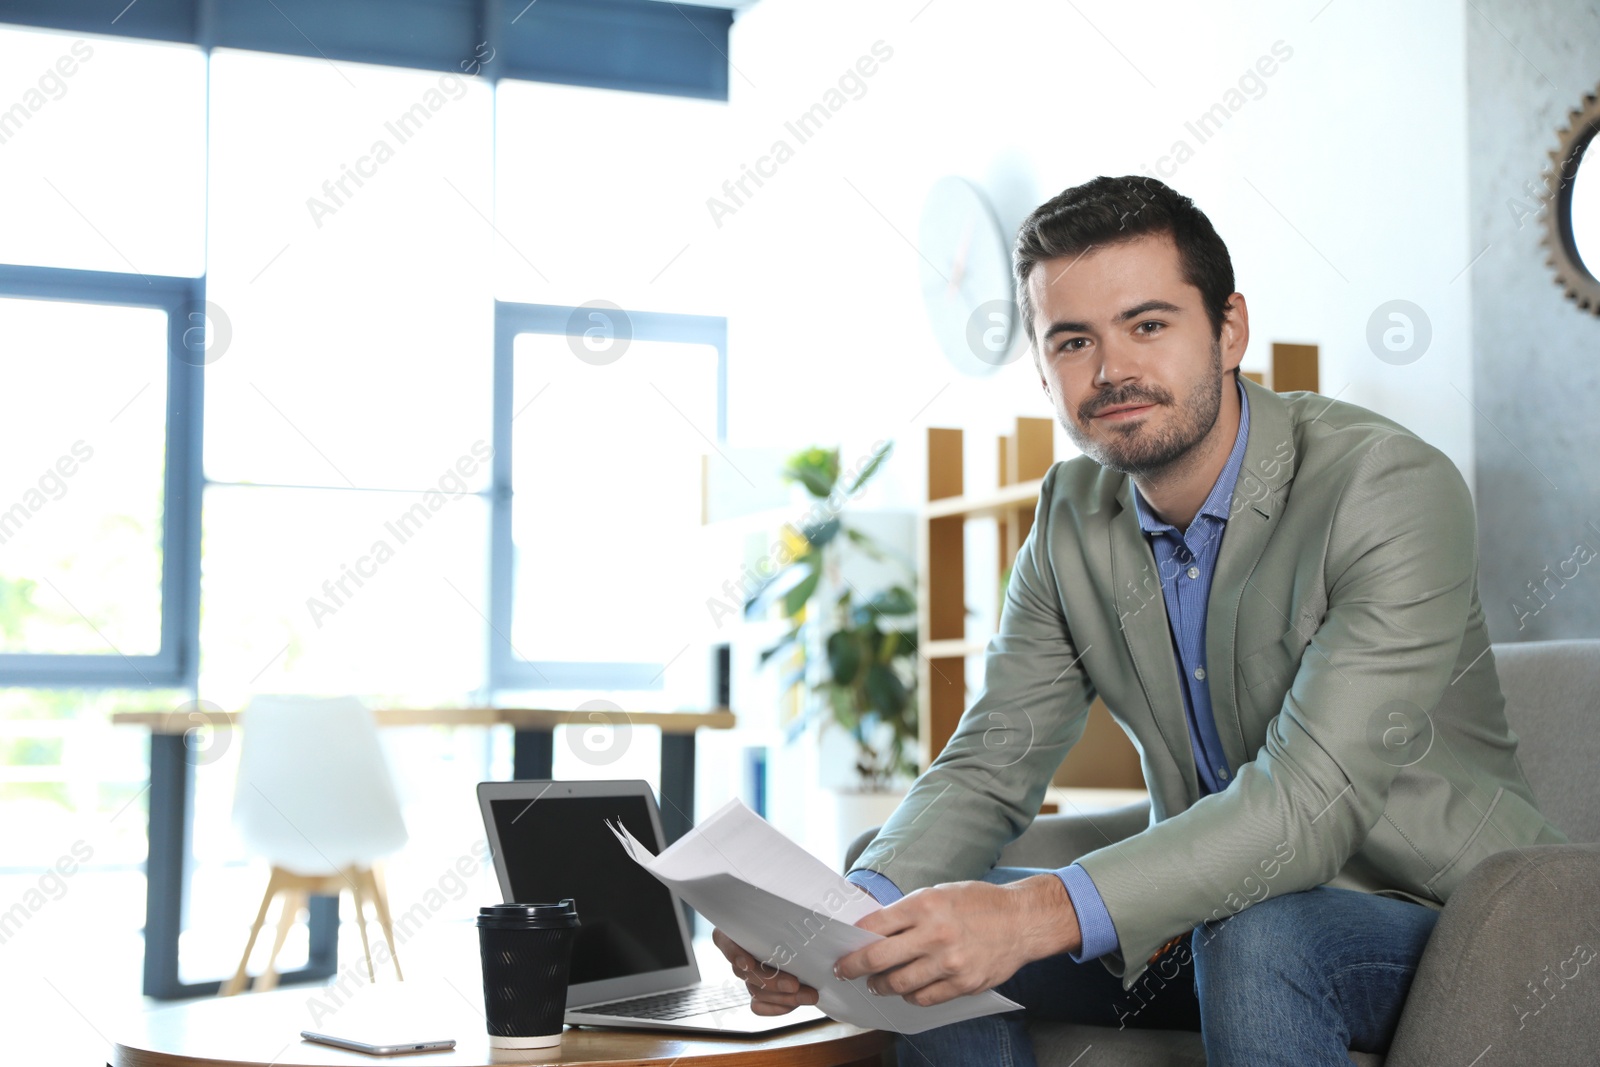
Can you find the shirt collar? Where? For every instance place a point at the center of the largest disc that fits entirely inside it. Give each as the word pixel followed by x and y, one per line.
pixel 1219 502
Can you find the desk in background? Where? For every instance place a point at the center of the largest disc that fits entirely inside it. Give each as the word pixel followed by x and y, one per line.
pixel 532 756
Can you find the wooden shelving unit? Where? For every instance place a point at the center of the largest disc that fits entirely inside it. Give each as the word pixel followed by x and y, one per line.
pixel 1104 758
pixel 942 567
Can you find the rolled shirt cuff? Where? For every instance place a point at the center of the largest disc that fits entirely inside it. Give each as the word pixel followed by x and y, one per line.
pixel 881 889
pixel 1094 921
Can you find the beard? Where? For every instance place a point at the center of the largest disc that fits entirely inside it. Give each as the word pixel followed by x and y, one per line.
pixel 1134 448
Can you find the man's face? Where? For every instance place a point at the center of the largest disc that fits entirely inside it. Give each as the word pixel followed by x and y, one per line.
pixel 1119 328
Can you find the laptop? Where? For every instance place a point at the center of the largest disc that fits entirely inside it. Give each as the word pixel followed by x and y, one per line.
pixel 633 963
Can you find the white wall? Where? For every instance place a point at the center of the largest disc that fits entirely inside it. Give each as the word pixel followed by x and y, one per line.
pixel 1341 187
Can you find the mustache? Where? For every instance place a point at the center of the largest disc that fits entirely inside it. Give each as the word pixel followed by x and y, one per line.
pixel 1113 400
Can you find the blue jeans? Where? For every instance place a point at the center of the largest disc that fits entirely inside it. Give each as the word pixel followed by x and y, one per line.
pixel 1298 979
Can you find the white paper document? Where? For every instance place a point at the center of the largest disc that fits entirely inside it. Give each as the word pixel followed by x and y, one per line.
pixel 792 912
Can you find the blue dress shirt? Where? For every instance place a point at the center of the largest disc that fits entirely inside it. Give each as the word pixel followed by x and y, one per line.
pixel 1185 562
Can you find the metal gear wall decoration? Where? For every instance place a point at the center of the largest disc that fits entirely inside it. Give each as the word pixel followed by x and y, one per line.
pixel 1575 278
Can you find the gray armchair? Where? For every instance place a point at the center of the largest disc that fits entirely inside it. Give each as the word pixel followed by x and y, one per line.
pixel 1511 974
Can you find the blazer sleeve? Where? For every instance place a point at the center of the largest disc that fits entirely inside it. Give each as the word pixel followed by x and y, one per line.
pixel 986 786
pixel 1400 568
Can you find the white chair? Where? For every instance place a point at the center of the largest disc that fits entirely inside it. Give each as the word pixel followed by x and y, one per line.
pixel 314 798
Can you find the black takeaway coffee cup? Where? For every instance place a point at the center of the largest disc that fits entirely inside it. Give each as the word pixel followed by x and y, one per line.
pixel 526 952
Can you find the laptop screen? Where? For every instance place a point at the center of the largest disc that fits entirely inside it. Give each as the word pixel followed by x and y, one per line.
pixel 557 847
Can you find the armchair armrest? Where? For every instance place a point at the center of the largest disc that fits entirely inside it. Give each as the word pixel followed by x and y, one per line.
pixel 1056 840
pixel 1052 840
pixel 1514 963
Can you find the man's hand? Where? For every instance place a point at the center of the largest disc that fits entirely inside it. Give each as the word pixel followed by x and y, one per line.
pixel 949 940
pixel 772 992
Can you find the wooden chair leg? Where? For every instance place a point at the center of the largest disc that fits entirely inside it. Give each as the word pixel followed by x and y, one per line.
pixel 355 877
pixel 293 901
pixel 380 903
pixel 237 982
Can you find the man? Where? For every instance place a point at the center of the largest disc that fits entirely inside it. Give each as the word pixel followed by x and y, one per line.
pixel 1276 596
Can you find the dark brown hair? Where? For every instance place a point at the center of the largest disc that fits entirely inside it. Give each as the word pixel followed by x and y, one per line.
pixel 1104 211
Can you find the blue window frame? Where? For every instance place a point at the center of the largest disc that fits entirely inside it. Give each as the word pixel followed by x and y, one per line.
pixel 183 301
pixel 639 45
pixel 507 669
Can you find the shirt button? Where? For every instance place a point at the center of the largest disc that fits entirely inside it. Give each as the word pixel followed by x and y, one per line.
pixel 1200 673
pixel 1223 771
pixel 1194 572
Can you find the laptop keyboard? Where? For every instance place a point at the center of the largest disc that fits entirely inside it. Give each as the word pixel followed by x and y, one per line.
pixel 679 1004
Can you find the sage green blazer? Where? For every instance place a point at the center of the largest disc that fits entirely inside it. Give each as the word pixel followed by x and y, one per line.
pixel 1351 680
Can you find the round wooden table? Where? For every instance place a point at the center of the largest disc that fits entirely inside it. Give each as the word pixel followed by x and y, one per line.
pixel 261 1029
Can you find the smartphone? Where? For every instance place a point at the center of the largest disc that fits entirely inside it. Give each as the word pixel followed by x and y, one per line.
pixel 386 1048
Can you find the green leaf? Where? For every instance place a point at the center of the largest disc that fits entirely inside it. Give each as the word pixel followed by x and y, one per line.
pixel 778 585
pixel 885 691
pixel 871 468
pixel 821 533
pixel 895 600
pixel 816 482
pixel 865 542
pixel 815 468
pixel 886 604
pixel 786 641
pixel 795 599
pixel 844 656
pixel 845 712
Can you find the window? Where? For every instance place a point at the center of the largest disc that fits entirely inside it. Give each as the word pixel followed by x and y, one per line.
pixel 602 195
pixel 104 144
pixel 605 416
pixel 292 262
pixel 103 335
pixel 348 424
pixel 93 518
pixel 600 207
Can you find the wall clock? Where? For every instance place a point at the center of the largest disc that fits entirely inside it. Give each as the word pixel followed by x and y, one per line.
pixel 965 267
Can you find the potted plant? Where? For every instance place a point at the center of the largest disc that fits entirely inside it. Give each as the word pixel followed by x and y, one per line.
pixel 852 652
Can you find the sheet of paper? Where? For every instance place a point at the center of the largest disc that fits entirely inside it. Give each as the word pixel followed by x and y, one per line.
pixel 735 840
pixel 714 875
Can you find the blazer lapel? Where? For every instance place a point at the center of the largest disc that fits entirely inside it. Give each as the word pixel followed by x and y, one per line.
pixel 1142 614
pixel 1269 462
